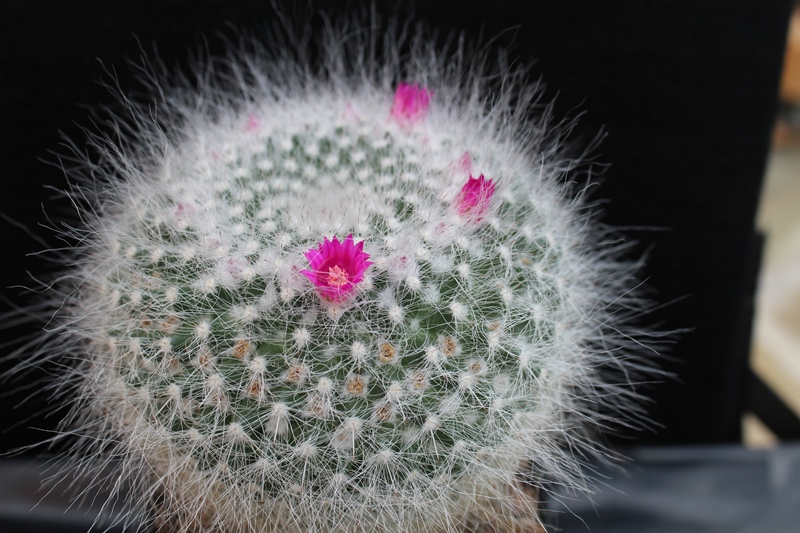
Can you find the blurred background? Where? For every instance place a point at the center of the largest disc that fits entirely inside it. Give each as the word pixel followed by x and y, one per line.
pixel 776 350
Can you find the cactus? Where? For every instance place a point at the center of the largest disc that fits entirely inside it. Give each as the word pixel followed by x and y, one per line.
pixel 326 303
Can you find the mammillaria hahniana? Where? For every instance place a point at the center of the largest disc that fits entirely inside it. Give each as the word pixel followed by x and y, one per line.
pixel 342 302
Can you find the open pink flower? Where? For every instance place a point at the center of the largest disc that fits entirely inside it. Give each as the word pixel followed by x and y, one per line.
pixel 473 200
pixel 411 103
pixel 336 267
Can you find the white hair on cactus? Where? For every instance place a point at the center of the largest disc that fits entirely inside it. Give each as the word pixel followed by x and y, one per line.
pixel 327 300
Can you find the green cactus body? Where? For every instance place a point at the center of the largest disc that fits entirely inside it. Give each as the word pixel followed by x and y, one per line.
pixel 409 390
pixel 408 386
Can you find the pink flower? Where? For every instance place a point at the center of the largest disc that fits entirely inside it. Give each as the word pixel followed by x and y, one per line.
pixel 473 200
pixel 336 267
pixel 411 103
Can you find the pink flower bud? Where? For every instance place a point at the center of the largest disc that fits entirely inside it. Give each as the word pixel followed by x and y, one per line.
pixel 462 165
pixel 465 162
pixel 253 123
pixel 411 103
pixel 473 200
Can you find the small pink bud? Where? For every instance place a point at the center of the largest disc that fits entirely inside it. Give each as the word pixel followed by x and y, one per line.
pixel 350 112
pixel 252 123
pixel 466 162
pixel 473 200
pixel 411 103
pixel 184 210
pixel 336 268
pixel 462 165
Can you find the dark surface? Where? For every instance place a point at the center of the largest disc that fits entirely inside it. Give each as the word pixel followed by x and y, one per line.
pixel 709 489
pixel 686 92
pixel 25 507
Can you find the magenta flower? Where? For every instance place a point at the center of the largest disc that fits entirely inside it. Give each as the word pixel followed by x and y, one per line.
pixel 411 103
pixel 473 200
pixel 336 267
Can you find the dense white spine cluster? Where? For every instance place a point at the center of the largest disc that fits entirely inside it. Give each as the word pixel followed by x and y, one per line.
pixel 465 361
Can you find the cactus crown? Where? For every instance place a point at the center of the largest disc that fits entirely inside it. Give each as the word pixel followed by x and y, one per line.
pixel 344 308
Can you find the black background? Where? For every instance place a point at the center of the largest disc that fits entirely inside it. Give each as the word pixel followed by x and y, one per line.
pixel 686 92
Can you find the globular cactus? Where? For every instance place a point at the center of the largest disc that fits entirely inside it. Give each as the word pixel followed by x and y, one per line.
pixel 340 302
